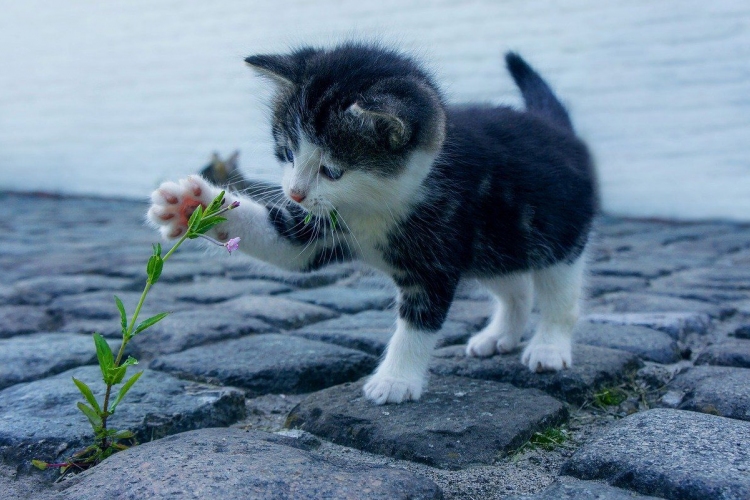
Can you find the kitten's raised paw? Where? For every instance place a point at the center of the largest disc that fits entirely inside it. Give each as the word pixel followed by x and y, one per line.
pixel 173 203
pixel 541 357
pixel 381 389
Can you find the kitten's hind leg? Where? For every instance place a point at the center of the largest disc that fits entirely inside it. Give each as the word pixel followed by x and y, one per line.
pixel 514 299
pixel 558 293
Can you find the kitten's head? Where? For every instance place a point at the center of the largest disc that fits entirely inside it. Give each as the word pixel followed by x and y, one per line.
pixel 356 126
pixel 222 172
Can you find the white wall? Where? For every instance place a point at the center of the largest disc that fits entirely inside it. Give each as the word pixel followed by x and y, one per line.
pixel 111 97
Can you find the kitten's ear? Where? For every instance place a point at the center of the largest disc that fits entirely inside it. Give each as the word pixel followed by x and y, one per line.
pixel 231 162
pixel 278 68
pixel 283 69
pixel 215 158
pixel 382 117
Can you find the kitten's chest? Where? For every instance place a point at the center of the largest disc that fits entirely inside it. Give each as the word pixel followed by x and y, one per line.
pixel 368 238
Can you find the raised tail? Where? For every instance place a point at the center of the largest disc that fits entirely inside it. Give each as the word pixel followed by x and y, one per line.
pixel 537 95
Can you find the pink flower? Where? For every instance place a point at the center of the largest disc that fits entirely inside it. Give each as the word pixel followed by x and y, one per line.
pixel 232 245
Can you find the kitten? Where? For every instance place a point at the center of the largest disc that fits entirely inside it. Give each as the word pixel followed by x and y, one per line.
pixel 227 174
pixel 428 193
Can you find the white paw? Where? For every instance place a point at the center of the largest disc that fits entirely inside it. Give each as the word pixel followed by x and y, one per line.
pixel 481 345
pixel 540 357
pixel 173 203
pixel 382 389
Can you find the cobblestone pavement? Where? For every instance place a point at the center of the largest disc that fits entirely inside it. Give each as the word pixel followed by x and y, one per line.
pixel 253 384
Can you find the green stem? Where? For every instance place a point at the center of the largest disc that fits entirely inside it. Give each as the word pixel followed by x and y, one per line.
pixel 126 337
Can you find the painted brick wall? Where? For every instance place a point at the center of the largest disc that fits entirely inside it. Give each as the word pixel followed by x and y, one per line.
pixel 113 97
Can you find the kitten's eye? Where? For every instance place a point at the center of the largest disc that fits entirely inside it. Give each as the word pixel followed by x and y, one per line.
pixel 330 174
pixel 289 155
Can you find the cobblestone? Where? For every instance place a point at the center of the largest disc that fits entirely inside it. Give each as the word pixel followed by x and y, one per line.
pixel 460 422
pixel 668 325
pixel 671 454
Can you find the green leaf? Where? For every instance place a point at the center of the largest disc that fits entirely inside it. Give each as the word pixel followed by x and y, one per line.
pixel 207 224
pixel 96 421
pixel 86 391
pixel 116 374
pixel 149 322
pixel 157 249
pixel 104 355
pixel 215 204
pixel 334 216
pixel 124 390
pixel 195 218
pixel 153 268
pixel 39 464
pixel 123 314
pixel 308 218
pixel 125 434
pixel 129 362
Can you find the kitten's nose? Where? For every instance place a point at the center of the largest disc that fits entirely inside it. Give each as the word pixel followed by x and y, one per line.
pixel 297 196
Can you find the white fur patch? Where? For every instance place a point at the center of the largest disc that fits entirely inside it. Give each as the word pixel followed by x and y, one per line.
pixel 558 291
pixel 401 375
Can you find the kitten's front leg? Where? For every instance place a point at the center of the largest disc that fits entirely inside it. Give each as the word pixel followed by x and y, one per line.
pixel 174 202
pixel 402 374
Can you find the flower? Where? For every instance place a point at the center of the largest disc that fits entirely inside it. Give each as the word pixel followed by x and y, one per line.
pixel 234 204
pixel 232 245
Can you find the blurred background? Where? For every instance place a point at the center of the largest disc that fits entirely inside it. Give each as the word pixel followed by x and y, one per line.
pixel 111 98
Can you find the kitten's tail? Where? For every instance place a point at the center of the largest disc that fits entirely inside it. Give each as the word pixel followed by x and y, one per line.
pixel 537 95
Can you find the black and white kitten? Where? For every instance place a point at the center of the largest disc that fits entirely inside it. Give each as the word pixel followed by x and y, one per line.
pixel 428 193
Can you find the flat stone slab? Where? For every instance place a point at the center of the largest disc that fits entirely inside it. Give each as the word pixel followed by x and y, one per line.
pixel 568 488
pixel 676 324
pixel 101 304
pixel 370 331
pixel 185 329
pixel 269 363
pixel 628 267
pixel 593 367
pixel 215 290
pixel 42 289
pixel 672 454
pixel 624 302
pixel 277 311
pixel 40 420
pixel 243 269
pixel 109 328
pixel 732 353
pixel 18 320
pixel 345 300
pixel 600 285
pixel 646 343
pixel 458 422
pixel 30 357
pixel 718 390
pixel 229 464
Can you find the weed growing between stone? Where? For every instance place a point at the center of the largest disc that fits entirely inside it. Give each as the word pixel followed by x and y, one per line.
pixel 612 396
pixel 107 440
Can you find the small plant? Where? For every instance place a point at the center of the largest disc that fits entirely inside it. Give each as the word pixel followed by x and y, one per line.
pixel 612 396
pixel 548 440
pixel 107 440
